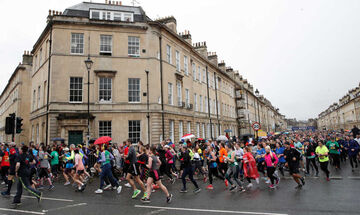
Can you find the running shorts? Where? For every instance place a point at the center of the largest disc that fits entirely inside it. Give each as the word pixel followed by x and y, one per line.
pixel 154 174
pixel 134 170
pixel 294 169
pixel 43 173
pixel 80 172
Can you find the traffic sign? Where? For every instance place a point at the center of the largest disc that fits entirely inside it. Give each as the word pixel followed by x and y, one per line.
pixel 256 126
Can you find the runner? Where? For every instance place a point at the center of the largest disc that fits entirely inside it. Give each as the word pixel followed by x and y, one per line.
pixel 250 170
pixel 352 148
pixel 187 169
pixel 79 167
pixel 323 154
pixel 292 157
pixel 11 175
pixel 271 161
pixel 334 152
pixel 232 170
pixel 212 167
pixel 310 157
pixel 44 165
pixel 154 177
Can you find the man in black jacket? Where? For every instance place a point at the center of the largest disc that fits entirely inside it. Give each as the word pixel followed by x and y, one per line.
pixel 292 157
pixel 355 131
pixel 187 169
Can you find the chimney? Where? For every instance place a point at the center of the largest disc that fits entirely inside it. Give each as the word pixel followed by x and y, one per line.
pixel 27 58
pixel 230 71
pixel 106 1
pixel 186 36
pixel 201 48
pixel 222 66
pixel 169 21
pixel 213 58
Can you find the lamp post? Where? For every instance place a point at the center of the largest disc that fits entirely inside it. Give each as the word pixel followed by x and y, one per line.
pixel 88 63
pixel 257 98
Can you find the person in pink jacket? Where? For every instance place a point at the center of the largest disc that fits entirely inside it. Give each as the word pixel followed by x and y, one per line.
pixel 271 161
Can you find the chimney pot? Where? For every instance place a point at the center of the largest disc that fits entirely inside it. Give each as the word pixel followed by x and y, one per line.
pixel 53 12
pixel 49 12
pixel 120 3
pixel 106 1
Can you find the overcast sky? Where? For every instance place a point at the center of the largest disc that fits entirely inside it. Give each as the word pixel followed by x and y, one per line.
pixel 302 55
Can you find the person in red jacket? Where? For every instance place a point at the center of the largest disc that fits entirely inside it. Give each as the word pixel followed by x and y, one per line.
pixel 5 162
pixel 250 170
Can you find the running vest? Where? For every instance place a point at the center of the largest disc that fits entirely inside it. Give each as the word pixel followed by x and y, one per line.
pixel 154 165
pixel 231 163
pixel 107 157
pixel 5 159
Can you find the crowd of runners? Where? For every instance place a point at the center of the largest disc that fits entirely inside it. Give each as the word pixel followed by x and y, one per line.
pixel 238 163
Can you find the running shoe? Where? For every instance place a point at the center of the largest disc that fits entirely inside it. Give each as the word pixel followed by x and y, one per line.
pixel 197 190
pixel 145 200
pixel 298 187
pixel 169 198
pixel 232 188
pixel 119 188
pixel 210 187
pixel 5 194
pixel 40 197
pixel 172 181
pixel 272 186
pixel 317 174
pixel 257 180
pixel 226 183
pixel 268 181
pixel 15 204
pixel 155 187
pixel 183 190
pixel 67 183
pixel 327 179
pixel 2 183
pixel 249 185
pixel 107 187
pixel 51 187
pixel 127 185
pixel 241 190
pixel 99 191
pixel 136 193
pixel 277 181
pixel 302 179
pixel 205 179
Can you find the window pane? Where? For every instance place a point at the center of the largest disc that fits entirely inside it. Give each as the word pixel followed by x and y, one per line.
pixel 134 89
pixel 77 43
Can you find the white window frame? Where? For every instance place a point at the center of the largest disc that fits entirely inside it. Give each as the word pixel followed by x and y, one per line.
pixel 105 89
pixel 181 129
pixel 187 97
pixel 105 43
pixel 179 93
pixel 195 102
pixel 133 46
pixel 204 76
pixel 81 90
pixel 199 74
pixel 39 96
pixel 201 103
pixel 132 90
pixel 203 130
pixel 197 130
pixel 136 132
pixel 105 128
pixel 206 105
pixel 170 94
pixel 186 65
pixel 171 130
pixel 77 42
pixel 168 54
pixel 194 71
pixel 188 127
pixel 177 60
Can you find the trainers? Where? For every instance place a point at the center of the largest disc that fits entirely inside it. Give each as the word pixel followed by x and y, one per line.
pixel 41 187
pixel 67 183
pixel 277 181
pixel 210 187
pixel 257 180
pixel 107 187
pixel 99 191
pixel 317 174
pixel 145 200
pixel 169 198
pixel 268 181
pixel 302 179
pixel 249 185
pixel 205 179
pixel 197 190
pixel 5 194
pixel 241 190
pixel 327 179
pixel 272 186
pixel 298 187
pixel 119 188
pixel 232 188
pixel 40 197
pixel 155 187
pixel 183 191
pixel 127 185
pixel 172 181
pixel 136 193
pixel 51 187
pixel 226 183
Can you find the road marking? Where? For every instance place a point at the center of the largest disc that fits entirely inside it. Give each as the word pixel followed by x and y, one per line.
pixel 207 210
pixel 336 177
pixel 46 198
pixel 65 207
pixel 21 211
pixel 354 177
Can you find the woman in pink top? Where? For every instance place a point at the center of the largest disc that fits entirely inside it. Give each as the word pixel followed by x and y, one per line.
pixel 79 166
pixel 271 161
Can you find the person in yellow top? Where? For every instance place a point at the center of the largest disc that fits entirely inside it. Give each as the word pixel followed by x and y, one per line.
pixel 323 153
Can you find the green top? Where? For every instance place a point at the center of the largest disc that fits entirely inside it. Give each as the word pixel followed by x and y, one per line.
pixel 322 150
pixel 107 157
pixel 229 157
pixel 55 158
pixel 333 147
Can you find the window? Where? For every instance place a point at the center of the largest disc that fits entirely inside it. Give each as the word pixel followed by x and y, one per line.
pixel 76 89
pixel 168 54
pixel 195 102
pixel 170 94
pixel 111 15
pixel 134 89
pixel 187 98
pixel 128 17
pixel 181 129
pixel 206 105
pixel 77 43
pixel 37 134
pixel 105 87
pixel 105 44
pixel 35 63
pixel 210 103
pixel 189 127
pixel 106 15
pixel 186 65
pixel 194 71
pixel 201 103
pixel 104 128
pixel 171 130
pixel 134 46
pixel 203 130
pixel 179 93
pixel 134 130
pixel 204 76
pixel 117 16
pixel 208 131
pixel 199 74
pixel 34 99
pixel 177 59
pixel 38 98
pixel 95 14
pixel 197 130
pixel 40 57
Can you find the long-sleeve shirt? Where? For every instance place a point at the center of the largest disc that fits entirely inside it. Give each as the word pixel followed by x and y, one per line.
pixel 269 160
pixel 106 157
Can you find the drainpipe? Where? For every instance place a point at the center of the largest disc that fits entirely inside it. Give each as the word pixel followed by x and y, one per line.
pixel 208 102
pixel 48 89
pixel 217 106
pixel 161 89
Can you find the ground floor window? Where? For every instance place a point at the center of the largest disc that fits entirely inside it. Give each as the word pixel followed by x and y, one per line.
pixel 134 130
pixel 104 128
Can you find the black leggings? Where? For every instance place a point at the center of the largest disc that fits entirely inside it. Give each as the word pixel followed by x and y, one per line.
pixel 168 170
pixel 324 167
pixel 308 161
pixel 214 172
pixel 188 171
pixel 270 173
pixel 353 160
pixel 336 160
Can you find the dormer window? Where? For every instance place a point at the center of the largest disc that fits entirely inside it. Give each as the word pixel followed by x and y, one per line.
pixel 112 15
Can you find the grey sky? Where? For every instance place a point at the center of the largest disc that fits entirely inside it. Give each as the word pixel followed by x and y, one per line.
pixel 303 55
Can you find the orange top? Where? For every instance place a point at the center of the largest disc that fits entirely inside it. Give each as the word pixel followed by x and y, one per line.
pixel 222 153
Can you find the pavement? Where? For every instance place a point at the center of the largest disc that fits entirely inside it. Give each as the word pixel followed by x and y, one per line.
pixel 318 197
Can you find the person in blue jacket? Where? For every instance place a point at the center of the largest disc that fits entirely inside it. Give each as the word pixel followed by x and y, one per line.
pixel 279 151
pixel 352 148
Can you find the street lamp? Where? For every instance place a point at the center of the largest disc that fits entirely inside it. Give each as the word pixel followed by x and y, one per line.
pixel 88 63
pixel 257 92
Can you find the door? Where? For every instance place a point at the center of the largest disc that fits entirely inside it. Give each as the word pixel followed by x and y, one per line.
pixel 75 137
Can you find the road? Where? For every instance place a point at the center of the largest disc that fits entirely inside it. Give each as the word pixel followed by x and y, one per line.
pixel 318 197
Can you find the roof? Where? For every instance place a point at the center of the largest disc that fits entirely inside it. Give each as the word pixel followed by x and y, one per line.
pixel 83 8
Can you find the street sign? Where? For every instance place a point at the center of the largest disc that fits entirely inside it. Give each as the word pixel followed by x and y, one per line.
pixel 256 126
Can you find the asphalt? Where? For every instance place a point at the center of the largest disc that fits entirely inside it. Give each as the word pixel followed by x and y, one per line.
pixel 318 197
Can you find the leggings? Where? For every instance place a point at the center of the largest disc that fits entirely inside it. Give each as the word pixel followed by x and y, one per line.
pixel 168 168
pixel 353 160
pixel 188 171
pixel 233 172
pixel 281 168
pixel 222 168
pixel 323 166
pixel 336 160
pixel 308 161
pixel 270 173
pixel 198 165
pixel 214 172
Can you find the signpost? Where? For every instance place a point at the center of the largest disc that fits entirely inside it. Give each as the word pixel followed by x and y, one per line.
pixel 256 126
